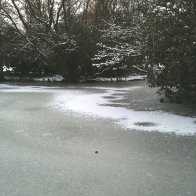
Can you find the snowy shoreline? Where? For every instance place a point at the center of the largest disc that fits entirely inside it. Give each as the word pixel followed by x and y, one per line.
pixel 54 78
pixel 60 78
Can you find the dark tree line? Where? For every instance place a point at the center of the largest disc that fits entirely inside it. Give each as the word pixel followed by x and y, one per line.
pixel 170 48
pixel 88 38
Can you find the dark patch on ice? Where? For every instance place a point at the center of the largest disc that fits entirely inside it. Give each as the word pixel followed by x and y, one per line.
pixel 96 152
pixel 35 86
pixel 113 105
pixel 145 124
pixel 109 97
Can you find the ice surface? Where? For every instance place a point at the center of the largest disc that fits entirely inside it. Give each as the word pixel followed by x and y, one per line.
pixel 29 89
pixel 96 105
pixel 95 102
pixel 46 151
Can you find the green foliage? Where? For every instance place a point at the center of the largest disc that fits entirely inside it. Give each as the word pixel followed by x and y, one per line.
pixel 170 49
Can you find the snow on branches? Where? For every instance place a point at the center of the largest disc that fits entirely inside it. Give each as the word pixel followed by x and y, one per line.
pixel 117 46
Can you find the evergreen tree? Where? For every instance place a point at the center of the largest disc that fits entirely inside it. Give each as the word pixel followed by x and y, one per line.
pixel 170 40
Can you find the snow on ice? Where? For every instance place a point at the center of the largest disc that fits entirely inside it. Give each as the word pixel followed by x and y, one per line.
pixel 96 105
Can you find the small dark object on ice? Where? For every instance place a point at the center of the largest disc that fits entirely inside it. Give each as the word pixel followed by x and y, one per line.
pixel 162 100
pixel 96 152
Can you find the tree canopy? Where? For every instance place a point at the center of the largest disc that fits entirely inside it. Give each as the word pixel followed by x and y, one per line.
pixel 88 38
pixel 170 48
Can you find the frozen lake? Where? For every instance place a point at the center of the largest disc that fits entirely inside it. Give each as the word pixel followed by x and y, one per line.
pixel 49 136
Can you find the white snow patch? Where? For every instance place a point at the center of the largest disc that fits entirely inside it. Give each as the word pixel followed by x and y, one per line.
pixel 94 105
pixel 114 79
pixel 55 78
pixel 137 77
pixel 5 68
pixel 128 78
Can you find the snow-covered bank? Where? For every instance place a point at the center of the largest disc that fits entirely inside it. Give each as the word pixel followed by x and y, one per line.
pixel 124 79
pixel 128 78
pixel 95 105
pixel 54 78
pixel 60 78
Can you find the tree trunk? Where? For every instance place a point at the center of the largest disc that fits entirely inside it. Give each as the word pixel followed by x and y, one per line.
pixel 1 73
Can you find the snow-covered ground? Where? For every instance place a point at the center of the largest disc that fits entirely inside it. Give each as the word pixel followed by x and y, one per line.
pixel 60 78
pixel 54 78
pixel 128 78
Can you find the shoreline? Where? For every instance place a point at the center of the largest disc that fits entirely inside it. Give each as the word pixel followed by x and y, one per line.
pixel 61 79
